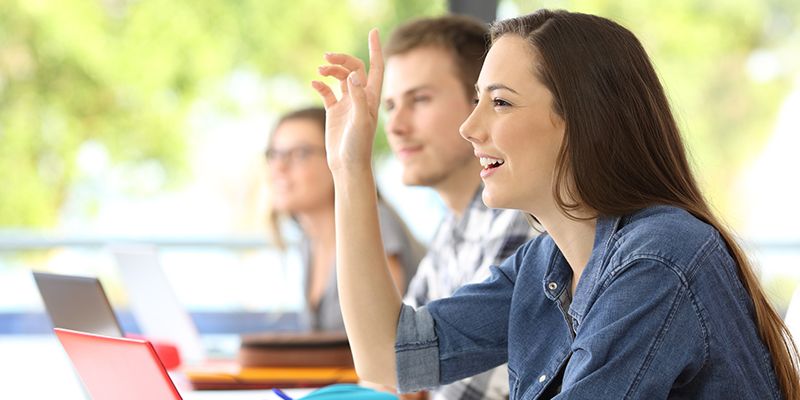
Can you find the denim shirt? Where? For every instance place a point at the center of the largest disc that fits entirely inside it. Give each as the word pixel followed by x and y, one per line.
pixel 659 312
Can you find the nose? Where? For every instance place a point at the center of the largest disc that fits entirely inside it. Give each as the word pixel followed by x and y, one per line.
pixel 279 164
pixel 471 129
pixel 397 122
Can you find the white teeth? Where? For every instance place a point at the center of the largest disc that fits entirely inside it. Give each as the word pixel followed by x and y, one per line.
pixel 488 161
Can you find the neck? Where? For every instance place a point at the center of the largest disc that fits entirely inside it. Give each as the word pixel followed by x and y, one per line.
pixel 319 226
pixel 575 238
pixel 459 188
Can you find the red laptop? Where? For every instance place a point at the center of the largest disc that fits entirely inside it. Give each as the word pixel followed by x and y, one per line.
pixel 117 368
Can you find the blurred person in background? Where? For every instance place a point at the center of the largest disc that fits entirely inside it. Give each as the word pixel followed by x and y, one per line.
pixel 431 67
pixel 301 190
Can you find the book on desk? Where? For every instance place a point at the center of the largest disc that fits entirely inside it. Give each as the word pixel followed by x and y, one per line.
pixel 280 359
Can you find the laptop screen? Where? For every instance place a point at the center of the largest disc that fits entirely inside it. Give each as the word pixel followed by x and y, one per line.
pixel 114 368
pixel 77 303
pixel 153 301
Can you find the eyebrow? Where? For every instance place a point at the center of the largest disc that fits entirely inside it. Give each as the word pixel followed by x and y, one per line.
pixel 496 86
pixel 410 92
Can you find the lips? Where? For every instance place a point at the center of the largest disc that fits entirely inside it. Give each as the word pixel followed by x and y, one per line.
pixel 408 151
pixel 490 162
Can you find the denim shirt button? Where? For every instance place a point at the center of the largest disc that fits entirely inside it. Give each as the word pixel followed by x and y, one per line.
pixel 542 378
pixel 552 286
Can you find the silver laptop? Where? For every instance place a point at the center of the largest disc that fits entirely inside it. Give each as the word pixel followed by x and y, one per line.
pixel 77 303
pixel 154 303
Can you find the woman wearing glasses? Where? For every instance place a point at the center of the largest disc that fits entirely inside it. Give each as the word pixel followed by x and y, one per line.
pixel 302 190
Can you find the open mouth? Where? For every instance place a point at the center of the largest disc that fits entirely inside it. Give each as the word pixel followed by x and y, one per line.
pixel 489 163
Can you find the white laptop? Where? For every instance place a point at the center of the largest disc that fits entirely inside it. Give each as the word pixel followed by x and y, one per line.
pixel 154 303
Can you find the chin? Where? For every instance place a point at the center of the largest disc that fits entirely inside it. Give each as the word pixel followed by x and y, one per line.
pixel 491 200
pixel 413 178
pixel 282 208
pixel 410 179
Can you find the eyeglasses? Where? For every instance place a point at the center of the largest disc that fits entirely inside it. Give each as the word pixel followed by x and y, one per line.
pixel 293 155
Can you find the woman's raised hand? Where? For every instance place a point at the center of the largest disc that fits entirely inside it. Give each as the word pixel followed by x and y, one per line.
pixel 351 120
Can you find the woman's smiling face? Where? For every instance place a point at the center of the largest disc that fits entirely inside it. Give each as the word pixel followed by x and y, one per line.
pixel 514 130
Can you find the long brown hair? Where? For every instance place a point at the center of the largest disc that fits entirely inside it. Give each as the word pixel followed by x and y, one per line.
pixel 622 150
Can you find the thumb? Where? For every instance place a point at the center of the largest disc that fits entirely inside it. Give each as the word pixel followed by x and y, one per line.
pixel 356 90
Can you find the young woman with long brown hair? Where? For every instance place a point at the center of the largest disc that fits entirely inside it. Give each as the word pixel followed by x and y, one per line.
pixel 636 291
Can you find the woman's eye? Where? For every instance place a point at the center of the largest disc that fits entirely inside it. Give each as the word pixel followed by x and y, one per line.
pixel 421 99
pixel 500 103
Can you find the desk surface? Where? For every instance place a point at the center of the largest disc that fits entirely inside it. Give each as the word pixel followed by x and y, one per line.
pixel 36 367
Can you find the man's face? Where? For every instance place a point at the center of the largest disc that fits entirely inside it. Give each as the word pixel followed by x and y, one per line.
pixel 425 104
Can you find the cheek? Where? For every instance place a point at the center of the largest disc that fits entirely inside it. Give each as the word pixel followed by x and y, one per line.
pixel 393 140
pixel 445 117
pixel 515 141
pixel 448 136
pixel 319 181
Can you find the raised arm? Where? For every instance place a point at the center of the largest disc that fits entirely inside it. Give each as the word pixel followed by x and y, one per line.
pixel 370 303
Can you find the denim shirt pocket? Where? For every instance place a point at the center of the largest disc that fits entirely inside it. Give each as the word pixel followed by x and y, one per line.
pixel 513 384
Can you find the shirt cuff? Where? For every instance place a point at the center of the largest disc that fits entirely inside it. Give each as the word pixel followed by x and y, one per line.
pixel 417 351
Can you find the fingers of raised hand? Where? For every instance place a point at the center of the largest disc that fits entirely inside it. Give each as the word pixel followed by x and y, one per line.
pixel 328 98
pixel 356 90
pixel 375 79
pixel 351 73
pixel 345 60
pixel 337 72
pixel 348 63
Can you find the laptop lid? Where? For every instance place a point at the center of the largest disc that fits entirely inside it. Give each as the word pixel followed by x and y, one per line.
pixel 114 368
pixel 153 301
pixel 77 303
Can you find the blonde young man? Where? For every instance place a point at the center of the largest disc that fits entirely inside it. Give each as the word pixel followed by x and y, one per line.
pixel 432 65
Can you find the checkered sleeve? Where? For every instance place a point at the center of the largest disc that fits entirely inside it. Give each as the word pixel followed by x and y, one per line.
pixel 508 230
pixel 463 251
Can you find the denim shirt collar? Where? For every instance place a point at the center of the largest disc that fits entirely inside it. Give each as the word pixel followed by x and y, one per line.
pixel 559 274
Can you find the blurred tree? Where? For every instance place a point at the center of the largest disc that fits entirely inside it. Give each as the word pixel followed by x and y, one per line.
pixel 82 81
pixel 109 83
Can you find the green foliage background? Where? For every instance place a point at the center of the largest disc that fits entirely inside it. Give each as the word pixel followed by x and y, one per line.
pixel 124 73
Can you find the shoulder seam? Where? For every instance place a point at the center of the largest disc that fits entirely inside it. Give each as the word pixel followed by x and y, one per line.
pixel 644 256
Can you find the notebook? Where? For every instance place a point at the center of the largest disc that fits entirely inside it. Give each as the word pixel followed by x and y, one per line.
pixel 77 303
pixel 154 303
pixel 279 359
pixel 295 349
pixel 114 368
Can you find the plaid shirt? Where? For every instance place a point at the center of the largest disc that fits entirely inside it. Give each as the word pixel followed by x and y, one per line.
pixel 461 252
